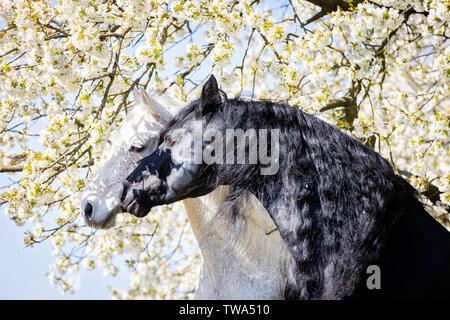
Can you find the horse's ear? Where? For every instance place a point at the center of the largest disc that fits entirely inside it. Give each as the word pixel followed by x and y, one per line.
pixel 210 97
pixel 137 96
pixel 158 112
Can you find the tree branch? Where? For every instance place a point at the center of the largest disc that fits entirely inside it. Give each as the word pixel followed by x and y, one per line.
pixel 12 168
pixel 8 52
pixel 332 5
pixel 345 102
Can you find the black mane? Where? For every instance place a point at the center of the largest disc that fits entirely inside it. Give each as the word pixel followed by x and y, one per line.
pixel 343 198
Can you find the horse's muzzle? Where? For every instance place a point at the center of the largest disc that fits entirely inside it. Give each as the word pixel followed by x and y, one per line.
pixel 138 198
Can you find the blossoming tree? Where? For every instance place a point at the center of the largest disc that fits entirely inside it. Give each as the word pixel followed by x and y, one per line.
pixel 378 69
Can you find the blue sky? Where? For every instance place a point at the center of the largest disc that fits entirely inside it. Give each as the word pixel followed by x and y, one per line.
pixel 23 270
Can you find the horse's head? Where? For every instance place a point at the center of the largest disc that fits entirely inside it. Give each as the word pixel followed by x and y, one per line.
pixel 181 164
pixel 135 139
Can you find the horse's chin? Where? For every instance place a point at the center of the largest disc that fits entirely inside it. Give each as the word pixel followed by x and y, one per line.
pixel 108 223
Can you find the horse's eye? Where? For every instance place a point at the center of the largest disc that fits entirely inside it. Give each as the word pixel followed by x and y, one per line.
pixel 136 149
pixel 168 140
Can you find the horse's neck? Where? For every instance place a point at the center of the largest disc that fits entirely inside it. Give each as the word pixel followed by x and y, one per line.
pixel 244 256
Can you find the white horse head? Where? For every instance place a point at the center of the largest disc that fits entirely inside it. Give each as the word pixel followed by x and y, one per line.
pixel 135 139
pixel 244 257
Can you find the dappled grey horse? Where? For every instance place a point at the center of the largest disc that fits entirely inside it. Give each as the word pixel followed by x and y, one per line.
pixel 243 254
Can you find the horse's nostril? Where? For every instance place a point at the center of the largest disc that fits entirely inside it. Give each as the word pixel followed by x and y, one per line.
pixel 88 210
